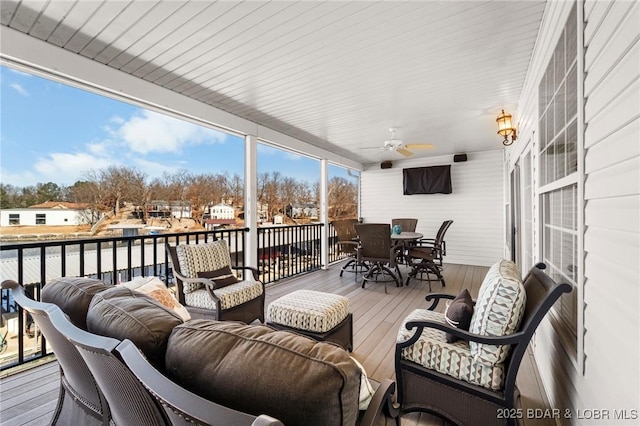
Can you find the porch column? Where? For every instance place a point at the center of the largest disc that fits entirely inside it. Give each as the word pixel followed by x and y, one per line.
pixel 250 203
pixel 324 212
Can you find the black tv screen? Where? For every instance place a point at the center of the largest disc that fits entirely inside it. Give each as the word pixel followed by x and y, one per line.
pixel 427 180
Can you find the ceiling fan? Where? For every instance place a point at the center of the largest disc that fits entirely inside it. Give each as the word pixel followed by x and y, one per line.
pixel 400 147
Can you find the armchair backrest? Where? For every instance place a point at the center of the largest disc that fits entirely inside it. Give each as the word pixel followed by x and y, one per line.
pixel 443 229
pixel 375 241
pixel 173 259
pixel 542 292
pixel 407 225
pixel 201 257
pixel 76 373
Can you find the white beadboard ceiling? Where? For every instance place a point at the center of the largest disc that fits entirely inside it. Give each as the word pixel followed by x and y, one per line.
pixel 335 74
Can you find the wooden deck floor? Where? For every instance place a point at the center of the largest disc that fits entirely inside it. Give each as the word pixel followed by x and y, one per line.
pixel 29 397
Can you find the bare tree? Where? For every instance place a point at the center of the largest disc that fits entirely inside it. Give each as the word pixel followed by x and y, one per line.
pixel 342 198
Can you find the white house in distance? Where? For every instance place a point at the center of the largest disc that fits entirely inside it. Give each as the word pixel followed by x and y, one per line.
pixel 50 213
pixel 222 211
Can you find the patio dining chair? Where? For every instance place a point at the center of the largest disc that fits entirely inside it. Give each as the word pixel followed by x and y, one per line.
pixel 80 400
pixel 377 250
pixel 348 244
pixel 425 257
pixel 208 288
pixel 407 224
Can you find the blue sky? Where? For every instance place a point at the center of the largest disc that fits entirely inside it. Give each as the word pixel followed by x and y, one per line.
pixel 51 132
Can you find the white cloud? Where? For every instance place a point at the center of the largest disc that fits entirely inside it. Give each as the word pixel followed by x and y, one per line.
pixel 18 88
pixel 68 168
pixel 153 132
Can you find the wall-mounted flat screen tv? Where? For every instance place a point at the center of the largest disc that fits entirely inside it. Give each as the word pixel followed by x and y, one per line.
pixel 427 180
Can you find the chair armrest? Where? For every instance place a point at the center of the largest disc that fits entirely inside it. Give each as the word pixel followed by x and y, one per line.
pixel 253 270
pixel 381 402
pixel 510 339
pixel 435 298
pixel 426 242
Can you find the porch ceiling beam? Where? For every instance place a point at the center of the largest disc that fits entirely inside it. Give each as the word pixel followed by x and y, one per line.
pixel 25 52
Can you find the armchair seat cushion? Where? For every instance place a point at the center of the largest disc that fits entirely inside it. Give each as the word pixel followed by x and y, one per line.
pixel 454 359
pixel 230 296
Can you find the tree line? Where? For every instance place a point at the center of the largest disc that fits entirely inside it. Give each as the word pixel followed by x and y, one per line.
pixel 108 189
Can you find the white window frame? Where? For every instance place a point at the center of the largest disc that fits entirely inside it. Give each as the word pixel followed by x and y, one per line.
pixel 574 349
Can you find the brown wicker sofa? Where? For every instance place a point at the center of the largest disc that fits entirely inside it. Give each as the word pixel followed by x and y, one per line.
pixel 248 369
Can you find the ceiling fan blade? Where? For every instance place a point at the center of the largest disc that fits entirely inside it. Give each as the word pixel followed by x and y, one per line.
pixel 419 146
pixel 404 151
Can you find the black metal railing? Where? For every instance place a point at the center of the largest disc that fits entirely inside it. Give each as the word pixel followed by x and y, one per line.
pixel 283 251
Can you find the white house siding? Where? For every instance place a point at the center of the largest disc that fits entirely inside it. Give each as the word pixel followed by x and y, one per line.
pixel 475 206
pixel 52 216
pixel 609 378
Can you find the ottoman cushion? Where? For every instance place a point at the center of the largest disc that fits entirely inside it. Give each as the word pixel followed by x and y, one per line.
pixel 309 310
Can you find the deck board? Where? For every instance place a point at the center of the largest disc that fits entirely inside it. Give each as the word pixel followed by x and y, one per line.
pixel 29 397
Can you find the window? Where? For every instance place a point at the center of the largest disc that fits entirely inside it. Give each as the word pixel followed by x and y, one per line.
pixel 559 177
pixel 41 219
pixel 14 219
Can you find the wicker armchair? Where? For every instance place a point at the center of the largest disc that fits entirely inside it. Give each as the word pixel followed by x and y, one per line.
pixel 377 250
pixel 475 388
pixel 80 400
pixel 209 296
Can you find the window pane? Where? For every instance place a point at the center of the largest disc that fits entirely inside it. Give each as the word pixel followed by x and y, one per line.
pixel 572 146
pixel 571 94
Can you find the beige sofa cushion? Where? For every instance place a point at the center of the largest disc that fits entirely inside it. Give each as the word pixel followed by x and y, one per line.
pixel 255 369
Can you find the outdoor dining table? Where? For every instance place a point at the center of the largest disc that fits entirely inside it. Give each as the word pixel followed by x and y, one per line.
pixel 402 241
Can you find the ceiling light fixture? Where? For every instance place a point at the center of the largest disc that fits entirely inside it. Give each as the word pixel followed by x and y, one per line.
pixel 506 129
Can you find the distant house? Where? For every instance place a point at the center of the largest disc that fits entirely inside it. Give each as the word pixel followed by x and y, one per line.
pixel 304 210
pixel 222 211
pixel 50 213
pixel 166 209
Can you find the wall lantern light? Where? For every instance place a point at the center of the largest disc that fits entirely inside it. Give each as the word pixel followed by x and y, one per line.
pixel 505 128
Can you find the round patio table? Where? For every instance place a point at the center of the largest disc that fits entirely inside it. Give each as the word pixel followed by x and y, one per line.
pixel 401 241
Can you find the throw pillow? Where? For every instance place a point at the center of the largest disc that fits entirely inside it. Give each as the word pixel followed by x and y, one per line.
pixel 154 287
pixel 499 308
pixel 366 390
pixel 223 276
pixel 458 313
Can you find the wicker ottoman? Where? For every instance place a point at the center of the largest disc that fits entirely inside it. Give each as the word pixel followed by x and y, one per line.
pixel 322 316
